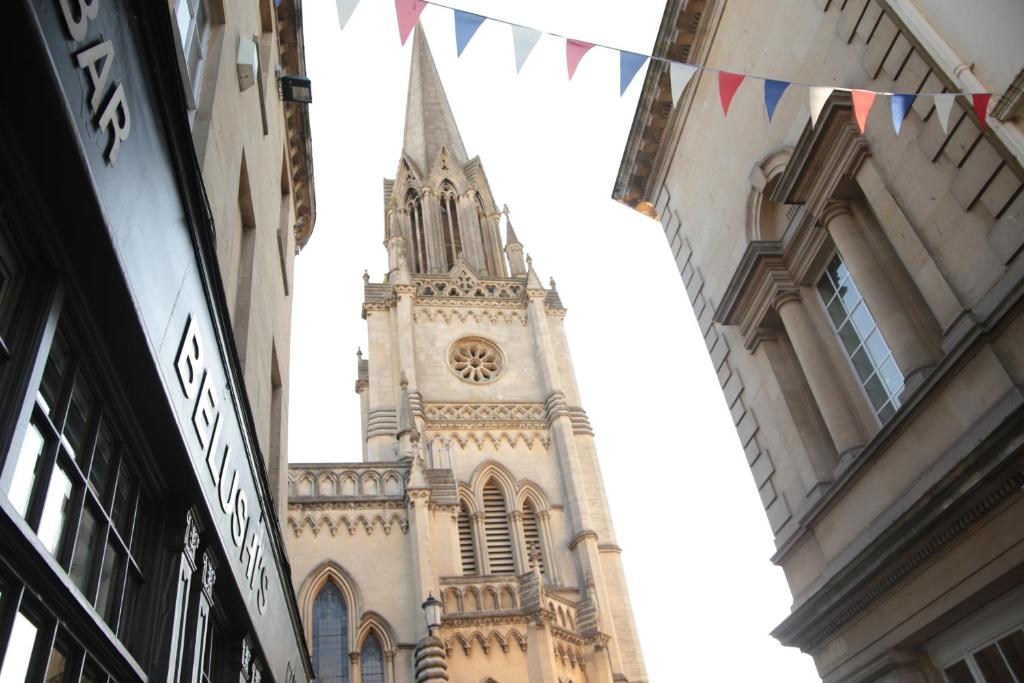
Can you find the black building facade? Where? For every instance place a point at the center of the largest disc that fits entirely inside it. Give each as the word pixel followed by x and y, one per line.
pixel 138 539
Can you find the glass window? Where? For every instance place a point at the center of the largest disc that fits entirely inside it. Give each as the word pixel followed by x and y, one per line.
pixel 861 339
pixel 19 649
pixel 371 660
pixel 1001 661
pixel 73 481
pixel 193 23
pixel 330 635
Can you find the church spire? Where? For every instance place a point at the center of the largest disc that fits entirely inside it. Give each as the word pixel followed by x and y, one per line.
pixel 429 123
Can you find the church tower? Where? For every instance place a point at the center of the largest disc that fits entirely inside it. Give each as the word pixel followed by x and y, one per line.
pixel 479 484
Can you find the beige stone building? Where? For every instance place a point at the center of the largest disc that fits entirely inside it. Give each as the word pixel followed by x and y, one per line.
pixel 254 148
pixel 861 300
pixel 479 481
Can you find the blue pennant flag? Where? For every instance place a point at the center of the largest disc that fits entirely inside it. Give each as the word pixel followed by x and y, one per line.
pixel 629 65
pixel 466 24
pixel 772 94
pixel 900 107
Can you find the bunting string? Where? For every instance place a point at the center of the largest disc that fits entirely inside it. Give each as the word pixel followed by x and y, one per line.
pixel 525 38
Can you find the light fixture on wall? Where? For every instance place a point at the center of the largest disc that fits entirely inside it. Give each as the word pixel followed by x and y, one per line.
pixel 432 611
pixel 295 89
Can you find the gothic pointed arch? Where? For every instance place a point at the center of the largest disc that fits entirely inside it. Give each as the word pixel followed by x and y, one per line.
pixel 531 491
pixel 324 574
pixel 467 533
pixel 372 623
pixel 417 237
pixel 488 470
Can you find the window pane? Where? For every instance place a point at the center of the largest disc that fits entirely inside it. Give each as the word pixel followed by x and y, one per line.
pixel 959 673
pixel 1012 647
pixel 862 320
pixel 102 469
pixel 91 673
pixel 886 413
pixel 876 392
pixel 85 550
pixel 57 665
pixel 75 431
pixel 372 660
pixel 184 19
pixel 826 288
pixel 836 311
pixel 106 596
pixel 892 377
pixel 55 510
pixel 121 512
pixel 849 337
pixel 25 469
pixel 877 347
pixel 849 294
pixel 862 364
pixel 330 635
pixel 992 666
pixel 19 649
pixel 53 374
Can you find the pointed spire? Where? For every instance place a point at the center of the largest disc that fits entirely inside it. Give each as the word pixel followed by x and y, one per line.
pixel 510 234
pixel 406 423
pixel 532 281
pixel 429 123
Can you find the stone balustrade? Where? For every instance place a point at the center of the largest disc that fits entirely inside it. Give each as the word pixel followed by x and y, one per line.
pixel 347 480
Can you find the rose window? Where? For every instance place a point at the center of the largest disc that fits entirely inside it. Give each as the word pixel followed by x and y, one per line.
pixel 476 360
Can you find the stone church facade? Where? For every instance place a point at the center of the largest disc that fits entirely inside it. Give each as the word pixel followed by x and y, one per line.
pixel 479 483
pixel 861 298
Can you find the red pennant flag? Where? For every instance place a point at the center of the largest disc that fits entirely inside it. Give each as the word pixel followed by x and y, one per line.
pixel 727 85
pixel 408 12
pixel 981 107
pixel 574 51
pixel 862 101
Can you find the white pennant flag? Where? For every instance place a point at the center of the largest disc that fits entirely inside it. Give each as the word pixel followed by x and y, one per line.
pixel 679 75
pixel 523 40
pixel 817 96
pixel 943 106
pixel 345 10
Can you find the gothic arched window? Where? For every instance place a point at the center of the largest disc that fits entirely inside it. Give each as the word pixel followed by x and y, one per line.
pixel 466 548
pixel 419 246
pixel 451 234
pixel 371 660
pixel 496 530
pixel 531 535
pixel 330 635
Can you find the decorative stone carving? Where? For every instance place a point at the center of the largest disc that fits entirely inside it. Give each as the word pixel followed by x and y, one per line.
pixel 476 360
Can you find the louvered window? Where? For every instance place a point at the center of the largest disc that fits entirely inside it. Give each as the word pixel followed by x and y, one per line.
pixel 466 542
pixel 499 537
pixel 531 534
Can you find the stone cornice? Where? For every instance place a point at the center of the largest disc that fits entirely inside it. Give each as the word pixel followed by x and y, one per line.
pixel 749 300
pixel 297 131
pixel 685 34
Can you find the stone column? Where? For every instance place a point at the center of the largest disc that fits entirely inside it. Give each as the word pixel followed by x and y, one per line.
pixel 354 667
pixel 909 348
pixel 829 392
pixel 550 561
pixel 432 661
pixel 389 666
pixel 519 553
pixel 483 561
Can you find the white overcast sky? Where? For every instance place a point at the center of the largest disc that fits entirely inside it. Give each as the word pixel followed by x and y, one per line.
pixel 696 541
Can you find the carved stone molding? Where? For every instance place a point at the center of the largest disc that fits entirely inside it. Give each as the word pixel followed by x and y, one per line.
pixel 335 523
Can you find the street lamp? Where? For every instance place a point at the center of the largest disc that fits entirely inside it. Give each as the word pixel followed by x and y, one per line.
pixel 295 89
pixel 432 611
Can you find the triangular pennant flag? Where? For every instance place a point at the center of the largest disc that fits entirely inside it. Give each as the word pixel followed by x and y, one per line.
pixel 900 107
pixel 574 51
pixel 408 12
pixel 862 101
pixel 817 97
pixel 980 101
pixel 943 106
pixel 727 85
pixel 345 10
pixel 523 41
pixel 678 76
pixel 772 94
pixel 629 64
pixel 466 24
